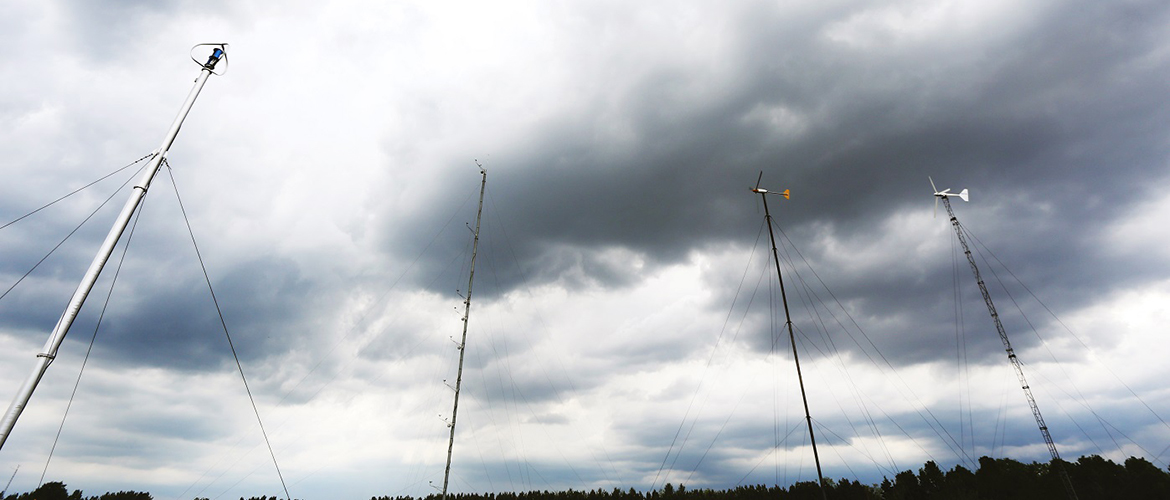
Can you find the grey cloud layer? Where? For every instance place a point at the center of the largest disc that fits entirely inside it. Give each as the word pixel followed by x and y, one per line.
pixel 1052 116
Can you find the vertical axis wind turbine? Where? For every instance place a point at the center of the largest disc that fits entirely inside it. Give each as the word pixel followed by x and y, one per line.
pixel 791 337
pixel 945 195
pixel 99 261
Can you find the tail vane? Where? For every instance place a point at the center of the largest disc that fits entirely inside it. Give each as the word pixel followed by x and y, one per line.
pixel 945 193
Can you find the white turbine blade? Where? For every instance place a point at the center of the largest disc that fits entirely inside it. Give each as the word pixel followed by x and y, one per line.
pixel 963 195
pixel 932 184
pixel 935 207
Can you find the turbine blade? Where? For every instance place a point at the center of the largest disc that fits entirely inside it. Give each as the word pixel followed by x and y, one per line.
pixel 931 184
pixel 760 178
pixel 935 207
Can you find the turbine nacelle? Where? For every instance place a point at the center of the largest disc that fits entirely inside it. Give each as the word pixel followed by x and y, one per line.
pixel 760 190
pixel 765 191
pixel 945 194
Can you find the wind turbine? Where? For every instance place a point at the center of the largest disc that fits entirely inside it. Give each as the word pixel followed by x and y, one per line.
pixel 757 189
pixel 944 194
pixel 791 336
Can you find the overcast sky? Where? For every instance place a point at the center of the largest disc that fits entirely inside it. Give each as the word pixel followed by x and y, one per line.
pixel 625 329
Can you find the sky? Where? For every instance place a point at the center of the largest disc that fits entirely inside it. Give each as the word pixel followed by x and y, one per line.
pixel 626 329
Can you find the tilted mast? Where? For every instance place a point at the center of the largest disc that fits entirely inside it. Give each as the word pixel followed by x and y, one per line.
pixel 1011 353
pixel 49 352
pixel 463 341
pixel 791 337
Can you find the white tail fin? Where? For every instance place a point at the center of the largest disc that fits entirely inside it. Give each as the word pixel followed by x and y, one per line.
pixel 963 195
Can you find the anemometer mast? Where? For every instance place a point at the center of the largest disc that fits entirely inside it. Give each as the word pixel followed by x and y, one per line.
pixel 791 337
pixel 1011 353
pixel 466 316
pixel 49 352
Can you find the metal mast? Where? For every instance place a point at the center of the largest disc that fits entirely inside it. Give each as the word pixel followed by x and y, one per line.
pixel 95 268
pixel 5 490
pixel 791 337
pixel 463 341
pixel 1011 353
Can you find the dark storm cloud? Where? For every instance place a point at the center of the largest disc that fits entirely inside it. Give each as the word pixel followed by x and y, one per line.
pixel 36 300
pixel 1069 106
pixel 892 312
pixel 1063 110
pixel 174 323
pixel 163 314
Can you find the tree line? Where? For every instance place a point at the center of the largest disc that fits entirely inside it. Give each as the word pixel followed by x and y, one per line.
pixel 1093 477
pixel 56 490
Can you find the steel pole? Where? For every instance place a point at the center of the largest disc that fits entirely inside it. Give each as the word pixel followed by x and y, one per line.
pixel 792 339
pixel 49 352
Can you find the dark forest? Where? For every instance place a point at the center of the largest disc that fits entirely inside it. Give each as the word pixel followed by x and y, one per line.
pixel 1093 477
